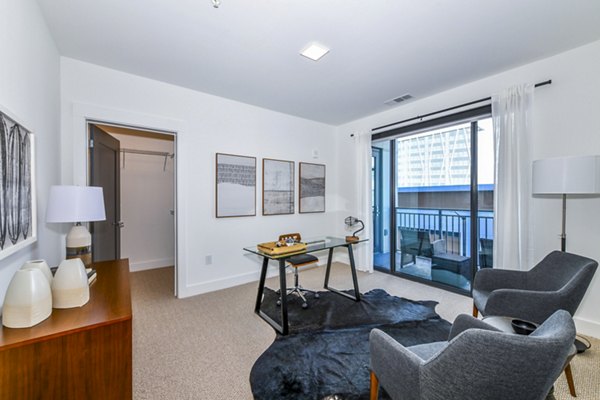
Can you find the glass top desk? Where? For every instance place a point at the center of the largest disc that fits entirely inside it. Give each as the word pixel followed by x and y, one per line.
pixel 313 244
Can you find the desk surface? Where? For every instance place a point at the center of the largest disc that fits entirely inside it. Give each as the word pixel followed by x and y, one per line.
pixel 110 301
pixel 313 244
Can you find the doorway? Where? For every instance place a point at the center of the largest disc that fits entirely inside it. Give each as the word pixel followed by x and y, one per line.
pixel 136 169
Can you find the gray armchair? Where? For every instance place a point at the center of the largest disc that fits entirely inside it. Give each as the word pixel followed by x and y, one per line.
pixel 479 363
pixel 557 282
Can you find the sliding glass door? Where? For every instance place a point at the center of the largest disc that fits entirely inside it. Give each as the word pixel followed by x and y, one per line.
pixel 381 205
pixel 442 202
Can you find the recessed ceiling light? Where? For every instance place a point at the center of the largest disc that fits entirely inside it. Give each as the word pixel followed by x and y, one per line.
pixel 314 51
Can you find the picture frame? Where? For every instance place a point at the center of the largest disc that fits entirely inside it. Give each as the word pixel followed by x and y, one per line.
pixel 312 188
pixel 278 187
pixel 18 199
pixel 235 185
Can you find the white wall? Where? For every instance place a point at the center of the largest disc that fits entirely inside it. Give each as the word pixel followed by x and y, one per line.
pixel 147 196
pixel 205 125
pixel 29 89
pixel 565 123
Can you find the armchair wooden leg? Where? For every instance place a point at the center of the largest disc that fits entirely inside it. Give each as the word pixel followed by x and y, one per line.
pixel 475 310
pixel 570 381
pixel 374 386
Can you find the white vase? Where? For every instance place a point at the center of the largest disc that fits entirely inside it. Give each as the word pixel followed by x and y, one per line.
pixel 42 265
pixel 28 299
pixel 70 285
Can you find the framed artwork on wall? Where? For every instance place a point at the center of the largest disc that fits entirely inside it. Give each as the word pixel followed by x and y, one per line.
pixel 235 185
pixel 312 188
pixel 18 213
pixel 278 187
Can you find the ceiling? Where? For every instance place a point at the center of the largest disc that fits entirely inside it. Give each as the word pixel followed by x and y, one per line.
pixel 248 50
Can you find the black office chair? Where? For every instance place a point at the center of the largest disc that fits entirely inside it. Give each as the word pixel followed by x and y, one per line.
pixel 296 262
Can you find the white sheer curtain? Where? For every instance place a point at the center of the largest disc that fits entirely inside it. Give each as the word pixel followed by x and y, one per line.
pixel 511 113
pixel 363 208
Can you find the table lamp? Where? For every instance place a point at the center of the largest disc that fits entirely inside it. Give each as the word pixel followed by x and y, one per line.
pixel 350 222
pixel 76 204
pixel 566 175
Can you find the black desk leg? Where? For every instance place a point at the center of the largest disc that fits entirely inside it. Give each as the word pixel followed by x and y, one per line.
pixel 282 286
pixel 356 296
pixel 283 327
pixel 261 284
pixel 329 259
pixel 353 268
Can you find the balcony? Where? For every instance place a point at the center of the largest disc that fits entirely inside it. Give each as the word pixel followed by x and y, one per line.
pixel 434 244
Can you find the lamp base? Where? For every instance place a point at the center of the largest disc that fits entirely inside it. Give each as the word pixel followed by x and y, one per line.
pixel 352 239
pixel 79 244
pixel 84 253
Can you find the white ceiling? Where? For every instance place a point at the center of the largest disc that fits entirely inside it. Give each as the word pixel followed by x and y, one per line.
pixel 248 50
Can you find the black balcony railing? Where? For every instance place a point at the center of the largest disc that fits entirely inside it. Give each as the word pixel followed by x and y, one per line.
pixel 453 226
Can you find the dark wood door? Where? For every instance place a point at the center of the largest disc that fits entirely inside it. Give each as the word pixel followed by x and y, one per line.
pixel 105 172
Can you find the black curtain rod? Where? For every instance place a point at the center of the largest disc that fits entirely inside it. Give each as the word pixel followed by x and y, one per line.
pixel 548 82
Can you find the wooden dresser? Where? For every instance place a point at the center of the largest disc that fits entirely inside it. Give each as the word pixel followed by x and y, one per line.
pixel 77 353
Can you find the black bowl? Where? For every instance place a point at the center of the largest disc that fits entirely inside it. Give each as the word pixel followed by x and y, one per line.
pixel 523 327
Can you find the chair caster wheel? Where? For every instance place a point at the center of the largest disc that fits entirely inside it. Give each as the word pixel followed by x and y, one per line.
pixel 317 295
pixel 278 302
pixel 305 305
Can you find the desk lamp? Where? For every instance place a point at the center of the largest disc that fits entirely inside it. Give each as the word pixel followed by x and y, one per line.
pixel 76 204
pixel 350 222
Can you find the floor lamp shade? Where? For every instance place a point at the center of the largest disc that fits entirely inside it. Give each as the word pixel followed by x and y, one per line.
pixel 76 204
pixel 566 175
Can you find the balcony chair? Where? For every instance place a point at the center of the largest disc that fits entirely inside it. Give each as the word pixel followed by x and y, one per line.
pixel 486 254
pixel 477 362
pixel 296 262
pixel 414 242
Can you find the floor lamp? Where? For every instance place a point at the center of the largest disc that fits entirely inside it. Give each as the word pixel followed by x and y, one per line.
pixel 564 176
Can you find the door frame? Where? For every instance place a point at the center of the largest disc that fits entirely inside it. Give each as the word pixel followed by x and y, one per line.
pixel 377 154
pixel 78 166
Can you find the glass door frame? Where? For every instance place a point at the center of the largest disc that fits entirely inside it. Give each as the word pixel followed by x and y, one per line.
pixel 471 116
pixel 377 154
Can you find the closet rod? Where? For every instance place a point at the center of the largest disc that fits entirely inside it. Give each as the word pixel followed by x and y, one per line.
pixel 148 152
pixel 548 82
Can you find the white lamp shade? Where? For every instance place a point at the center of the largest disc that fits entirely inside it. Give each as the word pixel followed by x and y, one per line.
pixel 567 175
pixel 75 204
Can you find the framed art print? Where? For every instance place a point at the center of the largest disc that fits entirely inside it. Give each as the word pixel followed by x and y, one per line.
pixel 312 188
pixel 278 187
pixel 235 185
pixel 17 198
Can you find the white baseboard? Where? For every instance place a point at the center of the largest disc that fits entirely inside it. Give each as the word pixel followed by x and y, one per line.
pixel 587 327
pixel 151 264
pixel 225 283
pixel 241 279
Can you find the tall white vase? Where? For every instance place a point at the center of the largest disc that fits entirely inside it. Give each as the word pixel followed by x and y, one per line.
pixel 70 285
pixel 42 265
pixel 28 299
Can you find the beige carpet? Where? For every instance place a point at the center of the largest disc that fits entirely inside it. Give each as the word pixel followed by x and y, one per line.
pixel 204 347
